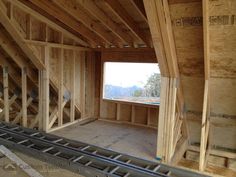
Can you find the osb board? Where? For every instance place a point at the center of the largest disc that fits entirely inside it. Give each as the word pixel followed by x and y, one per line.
pixel 140 115
pixel 223 96
pixel 224 137
pixel 194 131
pixel 188 34
pixel 193 90
pixel 222 30
pixel 154 112
pixel 108 110
pixel 125 112
pixel 212 160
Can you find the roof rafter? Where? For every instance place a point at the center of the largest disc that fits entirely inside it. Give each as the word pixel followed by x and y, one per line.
pixel 50 23
pixel 117 8
pixel 67 20
pixel 76 10
pixel 140 8
pixel 105 20
pixel 11 50
pixel 6 22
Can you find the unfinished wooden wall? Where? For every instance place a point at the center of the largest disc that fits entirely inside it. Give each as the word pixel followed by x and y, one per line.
pixel 57 96
pixel 187 21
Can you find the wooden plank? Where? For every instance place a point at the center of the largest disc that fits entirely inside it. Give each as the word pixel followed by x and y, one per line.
pixel 19 115
pixel 161 119
pixel 6 94
pixel 154 25
pixel 203 128
pixel 117 8
pixel 28 27
pixel 105 20
pixel 133 114
pixel 140 8
pixel 47 21
pixel 76 10
pixel 72 103
pixel 24 96
pixel 61 90
pixel 56 45
pixel 66 19
pixel 118 118
pixel 206 36
pixel 167 35
pixel 45 90
pixel 10 102
pixel 18 38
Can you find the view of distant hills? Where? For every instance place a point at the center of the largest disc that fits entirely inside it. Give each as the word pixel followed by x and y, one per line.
pixel 113 92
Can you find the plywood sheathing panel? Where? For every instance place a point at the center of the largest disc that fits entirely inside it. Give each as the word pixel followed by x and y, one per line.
pixel 223 96
pixel 188 34
pixel 222 38
pixel 125 112
pixel 140 115
pixel 193 92
pixel 108 110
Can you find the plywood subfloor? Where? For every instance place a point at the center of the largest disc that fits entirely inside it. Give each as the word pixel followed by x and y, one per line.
pixel 128 139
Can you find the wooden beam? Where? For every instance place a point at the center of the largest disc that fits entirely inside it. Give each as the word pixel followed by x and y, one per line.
pixel 105 20
pixel 117 8
pixel 203 128
pixel 6 94
pixel 15 55
pixel 140 8
pixel 19 115
pixel 57 45
pixel 133 114
pixel 46 90
pixel 167 36
pixel 24 96
pixel 206 37
pixel 72 77
pixel 154 25
pixel 50 23
pixel 28 27
pixel 61 90
pixel 78 12
pixel 66 19
pixel 118 118
pixel 11 101
pixel 6 22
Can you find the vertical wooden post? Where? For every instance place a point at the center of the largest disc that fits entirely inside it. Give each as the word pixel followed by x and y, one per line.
pixel 40 104
pixel 203 129
pixel 160 154
pixel 6 93
pixel 82 83
pixel 28 26
pixel 118 111
pixel 72 103
pixel 45 90
pixel 24 96
pixel 60 95
pixel 133 114
pixel 148 115
pixel 9 10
